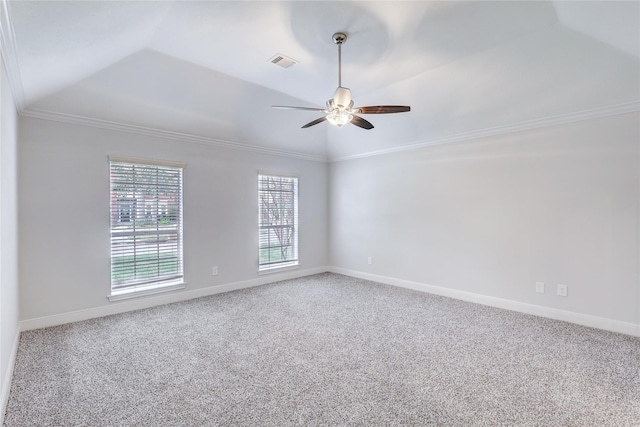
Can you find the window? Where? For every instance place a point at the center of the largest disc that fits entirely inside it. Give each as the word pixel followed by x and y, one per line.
pixel 126 208
pixel 277 222
pixel 146 225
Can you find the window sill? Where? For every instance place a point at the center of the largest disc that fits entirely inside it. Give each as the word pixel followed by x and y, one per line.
pixel 145 290
pixel 277 269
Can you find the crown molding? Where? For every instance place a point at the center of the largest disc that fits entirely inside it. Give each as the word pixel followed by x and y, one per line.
pixel 10 56
pixel 559 119
pixel 624 108
pixel 158 133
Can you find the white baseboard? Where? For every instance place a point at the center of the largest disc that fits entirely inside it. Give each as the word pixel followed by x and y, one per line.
pixel 552 313
pixel 155 300
pixel 6 383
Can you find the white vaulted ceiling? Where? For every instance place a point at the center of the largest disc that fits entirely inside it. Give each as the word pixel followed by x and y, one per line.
pixel 201 69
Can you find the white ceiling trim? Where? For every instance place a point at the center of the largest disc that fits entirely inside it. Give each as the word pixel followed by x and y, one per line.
pixel 158 133
pixel 612 110
pixel 9 54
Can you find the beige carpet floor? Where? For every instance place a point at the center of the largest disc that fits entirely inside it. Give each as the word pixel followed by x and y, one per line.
pixel 325 350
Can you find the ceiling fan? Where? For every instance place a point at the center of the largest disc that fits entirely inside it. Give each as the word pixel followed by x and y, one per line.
pixel 340 110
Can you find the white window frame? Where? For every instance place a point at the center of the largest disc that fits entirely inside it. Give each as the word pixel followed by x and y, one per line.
pixel 131 241
pixel 284 202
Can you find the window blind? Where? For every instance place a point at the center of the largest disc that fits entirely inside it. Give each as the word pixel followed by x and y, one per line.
pixel 146 225
pixel 277 221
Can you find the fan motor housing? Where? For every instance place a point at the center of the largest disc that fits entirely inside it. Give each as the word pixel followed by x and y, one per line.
pixel 342 97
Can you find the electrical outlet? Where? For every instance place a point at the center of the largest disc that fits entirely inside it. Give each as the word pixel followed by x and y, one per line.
pixel 540 287
pixel 562 290
pixel 214 271
pixel 369 260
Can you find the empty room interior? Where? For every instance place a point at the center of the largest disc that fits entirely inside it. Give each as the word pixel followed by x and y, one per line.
pixel 320 213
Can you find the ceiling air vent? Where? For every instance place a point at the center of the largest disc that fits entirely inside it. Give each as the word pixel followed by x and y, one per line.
pixel 282 61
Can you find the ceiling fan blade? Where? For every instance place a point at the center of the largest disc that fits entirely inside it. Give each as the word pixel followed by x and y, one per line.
pixel 286 107
pixel 383 109
pixel 315 122
pixel 360 122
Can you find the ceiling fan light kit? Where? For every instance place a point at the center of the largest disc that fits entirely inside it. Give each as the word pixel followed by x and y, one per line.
pixel 340 109
pixel 339 117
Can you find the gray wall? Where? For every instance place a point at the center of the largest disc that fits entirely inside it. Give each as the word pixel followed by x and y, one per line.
pixel 489 217
pixel 64 212
pixel 494 216
pixel 9 313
